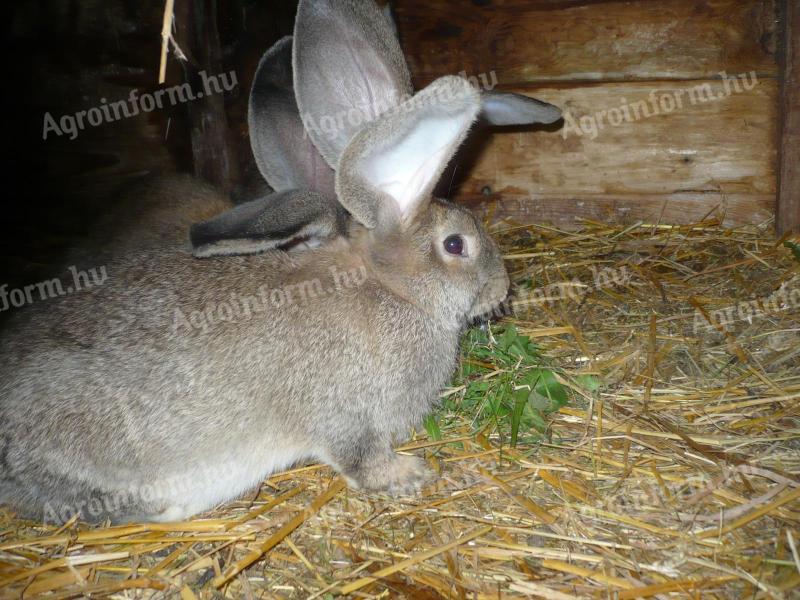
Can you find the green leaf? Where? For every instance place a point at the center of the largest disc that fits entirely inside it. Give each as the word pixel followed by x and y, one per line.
pixel 516 401
pixel 432 427
pixel 538 422
pixel 520 398
pixel 507 338
pixel 541 403
pixel 795 248
pixel 548 386
pixel 588 382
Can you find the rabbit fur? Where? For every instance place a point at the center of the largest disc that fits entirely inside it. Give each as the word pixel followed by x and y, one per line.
pixel 141 399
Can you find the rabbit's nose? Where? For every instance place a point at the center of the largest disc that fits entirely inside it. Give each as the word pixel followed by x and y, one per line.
pixel 498 287
pixel 502 282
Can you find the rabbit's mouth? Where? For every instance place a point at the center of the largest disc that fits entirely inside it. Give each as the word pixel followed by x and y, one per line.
pixel 492 302
pixel 483 314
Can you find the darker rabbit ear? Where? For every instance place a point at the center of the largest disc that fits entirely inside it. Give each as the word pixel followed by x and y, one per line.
pixel 348 69
pixel 506 108
pixel 279 220
pixel 387 13
pixel 285 155
pixel 389 169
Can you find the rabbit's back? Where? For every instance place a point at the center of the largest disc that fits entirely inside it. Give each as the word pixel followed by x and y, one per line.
pixel 92 381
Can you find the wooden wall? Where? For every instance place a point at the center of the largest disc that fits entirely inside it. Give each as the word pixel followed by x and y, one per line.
pixel 588 56
pixel 788 213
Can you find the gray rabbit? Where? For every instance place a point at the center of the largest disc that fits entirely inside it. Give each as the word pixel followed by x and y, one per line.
pixel 346 292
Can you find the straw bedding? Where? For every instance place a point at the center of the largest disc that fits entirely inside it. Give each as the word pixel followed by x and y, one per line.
pixel 677 477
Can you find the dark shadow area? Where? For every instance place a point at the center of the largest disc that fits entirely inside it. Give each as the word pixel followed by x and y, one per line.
pixel 70 56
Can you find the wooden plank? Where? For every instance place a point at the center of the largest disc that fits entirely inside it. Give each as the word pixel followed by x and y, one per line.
pixel 198 36
pixel 569 211
pixel 714 143
pixel 546 40
pixel 788 210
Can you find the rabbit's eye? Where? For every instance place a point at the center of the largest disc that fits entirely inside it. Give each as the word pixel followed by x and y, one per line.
pixel 454 244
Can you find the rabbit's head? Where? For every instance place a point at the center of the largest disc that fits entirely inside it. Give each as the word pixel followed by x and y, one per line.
pixel 429 251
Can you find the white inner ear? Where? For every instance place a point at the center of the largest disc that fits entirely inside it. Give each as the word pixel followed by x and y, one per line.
pixel 407 168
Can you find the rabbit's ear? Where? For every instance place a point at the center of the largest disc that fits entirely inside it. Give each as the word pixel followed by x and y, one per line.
pixel 387 13
pixel 389 169
pixel 348 69
pixel 505 108
pixel 286 157
pixel 280 220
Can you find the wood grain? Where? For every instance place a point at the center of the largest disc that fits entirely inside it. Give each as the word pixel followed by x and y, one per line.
pixel 569 212
pixel 720 145
pixel 198 35
pixel 788 210
pixel 702 153
pixel 546 40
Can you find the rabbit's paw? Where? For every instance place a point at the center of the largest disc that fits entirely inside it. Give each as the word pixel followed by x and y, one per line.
pixel 398 476
pixel 407 476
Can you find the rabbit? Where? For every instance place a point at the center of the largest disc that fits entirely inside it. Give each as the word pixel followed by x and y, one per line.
pixel 143 400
